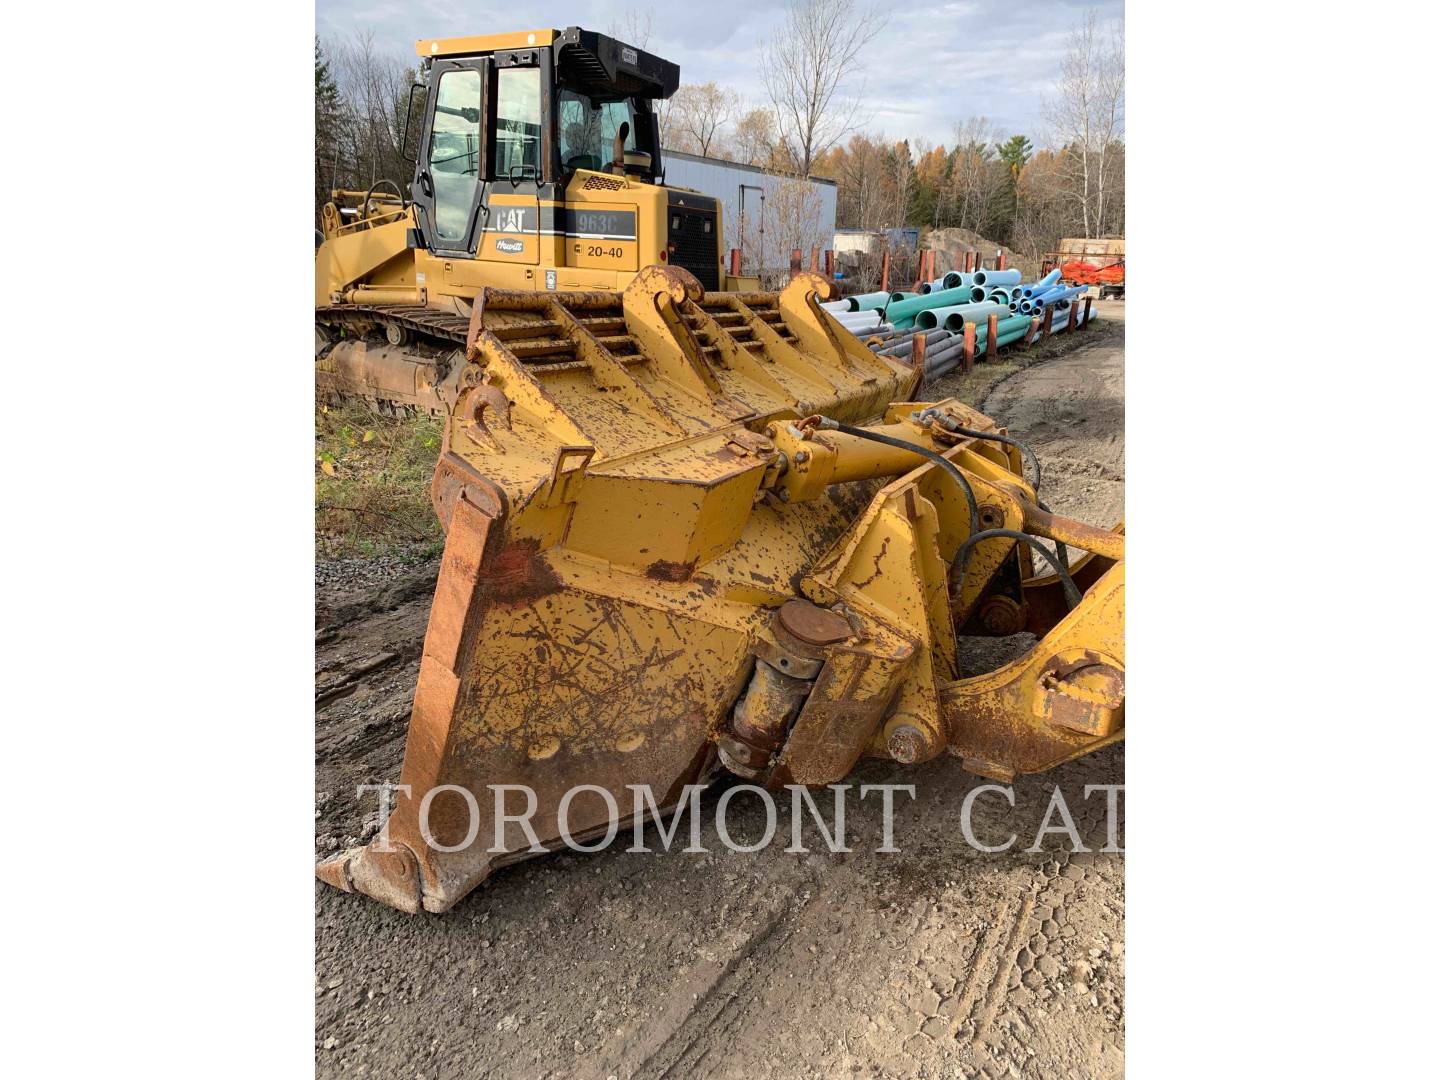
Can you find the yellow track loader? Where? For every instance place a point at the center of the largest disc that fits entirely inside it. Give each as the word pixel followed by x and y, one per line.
pixel 538 167
pixel 690 529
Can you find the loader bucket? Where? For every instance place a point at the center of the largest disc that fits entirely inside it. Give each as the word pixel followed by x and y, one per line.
pixel 655 567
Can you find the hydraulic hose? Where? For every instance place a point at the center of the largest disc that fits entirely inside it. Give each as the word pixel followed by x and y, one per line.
pixel 962 558
pixel 939 459
pixel 953 426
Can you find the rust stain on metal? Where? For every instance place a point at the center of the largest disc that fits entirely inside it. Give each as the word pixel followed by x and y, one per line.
pixel 518 574
pixel 626 597
pixel 666 570
pixel 813 625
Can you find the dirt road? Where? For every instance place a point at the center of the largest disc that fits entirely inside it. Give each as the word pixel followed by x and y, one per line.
pixel 938 961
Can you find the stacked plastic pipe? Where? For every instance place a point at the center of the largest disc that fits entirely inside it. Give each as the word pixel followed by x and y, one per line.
pixel 945 355
pixel 953 300
pixel 861 321
pixel 890 322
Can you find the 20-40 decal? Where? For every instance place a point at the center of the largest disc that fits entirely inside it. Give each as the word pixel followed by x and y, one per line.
pixel 602 252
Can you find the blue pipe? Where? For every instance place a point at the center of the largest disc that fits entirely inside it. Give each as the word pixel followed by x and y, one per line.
pixel 1054 296
pixel 1040 286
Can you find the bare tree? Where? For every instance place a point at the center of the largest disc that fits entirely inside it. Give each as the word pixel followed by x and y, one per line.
pixel 755 137
pixel 1086 114
pixel 699 113
pixel 633 26
pixel 806 67
pixel 374 88
pixel 862 202
pixel 792 221
pixel 972 175
pixel 902 180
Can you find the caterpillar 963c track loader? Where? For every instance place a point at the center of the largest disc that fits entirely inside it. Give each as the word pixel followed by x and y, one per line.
pixel 538 167
pixel 693 530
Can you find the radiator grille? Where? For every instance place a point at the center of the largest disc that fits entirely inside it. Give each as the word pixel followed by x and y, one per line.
pixel 695 238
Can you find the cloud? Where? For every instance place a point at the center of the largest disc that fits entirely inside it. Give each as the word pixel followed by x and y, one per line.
pixel 930 68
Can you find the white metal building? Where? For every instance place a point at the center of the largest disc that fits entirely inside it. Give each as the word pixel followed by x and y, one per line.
pixel 764 214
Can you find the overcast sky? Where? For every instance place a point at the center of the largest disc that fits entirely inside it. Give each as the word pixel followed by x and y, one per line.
pixel 932 65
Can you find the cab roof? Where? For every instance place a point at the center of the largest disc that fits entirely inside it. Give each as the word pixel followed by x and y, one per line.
pixel 481 43
pixel 595 62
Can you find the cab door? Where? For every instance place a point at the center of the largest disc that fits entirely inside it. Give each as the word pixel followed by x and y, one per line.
pixel 510 216
pixel 450 179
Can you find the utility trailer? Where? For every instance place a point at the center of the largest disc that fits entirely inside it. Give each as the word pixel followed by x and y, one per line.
pixel 1099 262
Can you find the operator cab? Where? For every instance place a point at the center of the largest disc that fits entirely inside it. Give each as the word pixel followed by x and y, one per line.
pixel 511 117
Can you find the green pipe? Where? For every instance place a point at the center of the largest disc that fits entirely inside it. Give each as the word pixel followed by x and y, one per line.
pixel 896 297
pixel 870 301
pixel 908 309
pixel 1003 327
pixel 956 318
pixel 1009 337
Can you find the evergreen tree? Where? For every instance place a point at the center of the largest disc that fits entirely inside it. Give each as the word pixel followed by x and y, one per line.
pixel 1015 152
pixel 327 122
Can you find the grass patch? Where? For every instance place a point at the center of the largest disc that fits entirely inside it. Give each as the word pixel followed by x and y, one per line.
pixel 372 484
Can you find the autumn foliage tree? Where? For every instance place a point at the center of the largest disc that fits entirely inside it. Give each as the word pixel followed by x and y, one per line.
pixel 1070 181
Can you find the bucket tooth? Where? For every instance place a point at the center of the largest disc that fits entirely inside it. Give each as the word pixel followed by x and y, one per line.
pixel 390 876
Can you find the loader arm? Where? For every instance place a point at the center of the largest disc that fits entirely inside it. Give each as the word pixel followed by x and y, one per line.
pixel 682 547
pixel 368 262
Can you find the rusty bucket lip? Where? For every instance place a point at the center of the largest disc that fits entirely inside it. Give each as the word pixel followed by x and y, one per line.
pixel 813 625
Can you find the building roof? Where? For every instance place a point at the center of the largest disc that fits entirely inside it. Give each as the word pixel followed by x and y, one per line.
pixel 667 153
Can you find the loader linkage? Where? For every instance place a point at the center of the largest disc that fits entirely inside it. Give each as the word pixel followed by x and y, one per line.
pixel 681 555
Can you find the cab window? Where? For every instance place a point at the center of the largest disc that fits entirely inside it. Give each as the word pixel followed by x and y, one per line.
pixel 587 130
pixel 454 161
pixel 517 124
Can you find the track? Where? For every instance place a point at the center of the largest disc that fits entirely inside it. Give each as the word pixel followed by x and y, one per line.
pixel 938 961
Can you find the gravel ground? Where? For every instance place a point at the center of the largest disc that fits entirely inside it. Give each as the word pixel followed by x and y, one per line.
pixel 351 574
pixel 938 961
